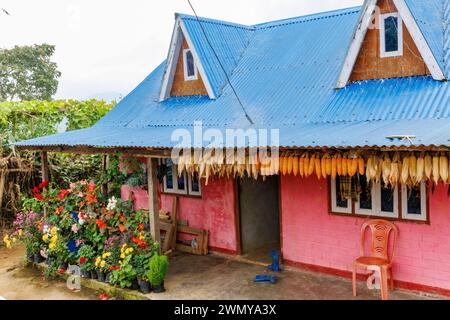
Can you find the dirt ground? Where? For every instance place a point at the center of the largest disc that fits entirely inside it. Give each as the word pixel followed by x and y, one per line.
pixel 18 283
pixel 211 277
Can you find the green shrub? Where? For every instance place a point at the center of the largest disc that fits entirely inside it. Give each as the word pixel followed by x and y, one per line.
pixel 157 269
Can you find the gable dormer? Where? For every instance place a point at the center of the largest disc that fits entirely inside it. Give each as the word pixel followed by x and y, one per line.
pixel 388 43
pixel 187 80
pixel 184 74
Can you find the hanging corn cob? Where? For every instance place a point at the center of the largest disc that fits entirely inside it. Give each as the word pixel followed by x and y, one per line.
pixel 420 169
pixel 312 165
pixel 436 171
pixel 443 168
pixel 412 168
pixel 317 167
pixel 290 164
pixel 301 166
pixel 405 171
pixel 323 167
pixel 361 164
pixel 345 166
pixel 339 165
pixel 395 169
pixel 428 166
pixel 352 164
pixel 386 169
pixel 295 164
pixel 333 168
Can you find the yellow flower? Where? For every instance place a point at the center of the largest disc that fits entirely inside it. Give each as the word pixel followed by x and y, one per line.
pixel 127 251
pixel 122 256
pixel 20 232
pixel 141 237
pixel 45 237
pixel 102 264
pixel 108 254
pixel 54 239
pixel 52 246
pixel 53 231
pixel 120 262
pixel 131 249
pixel 96 263
pixel 104 255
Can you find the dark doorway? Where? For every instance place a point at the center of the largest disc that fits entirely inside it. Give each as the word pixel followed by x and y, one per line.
pixel 259 217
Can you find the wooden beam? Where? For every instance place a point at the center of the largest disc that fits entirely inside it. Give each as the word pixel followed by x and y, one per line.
pixel 44 166
pixel 153 198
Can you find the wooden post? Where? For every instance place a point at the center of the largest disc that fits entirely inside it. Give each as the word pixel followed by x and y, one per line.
pixel 44 170
pixel 153 199
pixel 105 163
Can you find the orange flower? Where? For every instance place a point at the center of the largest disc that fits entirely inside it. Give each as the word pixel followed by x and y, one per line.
pixel 59 210
pixel 122 228
pixel 122 218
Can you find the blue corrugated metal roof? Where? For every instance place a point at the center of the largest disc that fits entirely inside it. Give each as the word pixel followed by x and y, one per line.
pixel 285 74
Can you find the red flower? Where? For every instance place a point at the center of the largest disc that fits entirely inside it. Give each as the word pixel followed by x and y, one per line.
pixel 38 196
pixel 111 268
pixel 62 194
pixel 103 296
pixel 90 199
pixel 141 227
pixel 82 260
pixel 61 270
pixel 122 228
pixel 122 218
pixel 35 190
pixel 139 242
pixel 118 268
pixel 59 210
pixel 100 224
pixel 43 184
pixel 91 186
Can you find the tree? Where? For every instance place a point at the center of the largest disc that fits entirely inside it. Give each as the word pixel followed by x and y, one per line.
pixel 26 73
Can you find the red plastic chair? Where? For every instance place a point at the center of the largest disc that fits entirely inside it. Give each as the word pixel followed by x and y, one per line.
pixel 379 256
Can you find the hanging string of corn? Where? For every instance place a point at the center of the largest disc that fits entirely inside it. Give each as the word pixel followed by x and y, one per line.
pixel 391 168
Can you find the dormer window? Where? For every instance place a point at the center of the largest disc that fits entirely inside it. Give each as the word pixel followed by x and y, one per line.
pixel 190 69
pixel 391 35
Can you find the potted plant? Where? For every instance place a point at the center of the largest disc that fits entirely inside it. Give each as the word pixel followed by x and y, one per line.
pixel 142 267
pixel 100 268
pixel 158 265
pixel 125 274
pixel 85 260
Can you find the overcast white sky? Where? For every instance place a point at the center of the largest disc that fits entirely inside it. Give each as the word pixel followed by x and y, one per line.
pixel 104 48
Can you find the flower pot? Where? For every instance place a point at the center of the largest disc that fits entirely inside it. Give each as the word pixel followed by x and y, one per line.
pixel 30 256
pixel 144 286
pixel 100 276
pixel 37 258
pixel 63 265
pixel 108 277
pixel 134 285
pixel 93 274
pixel 85 274
pixel 158 289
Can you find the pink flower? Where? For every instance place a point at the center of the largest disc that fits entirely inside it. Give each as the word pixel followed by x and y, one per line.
pixel 74 228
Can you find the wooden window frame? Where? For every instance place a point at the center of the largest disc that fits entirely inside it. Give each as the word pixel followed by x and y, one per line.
pixel 187 77
pixel 399 52
pixel 180 192
pixel 398 204
pixel 423 203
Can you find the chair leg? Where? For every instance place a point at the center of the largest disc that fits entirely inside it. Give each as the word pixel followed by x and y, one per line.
pixel 354 280
pixel 384 284
pixel 391 276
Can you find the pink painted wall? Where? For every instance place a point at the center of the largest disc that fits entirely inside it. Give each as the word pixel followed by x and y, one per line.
pixel 214 211
pixel 312 236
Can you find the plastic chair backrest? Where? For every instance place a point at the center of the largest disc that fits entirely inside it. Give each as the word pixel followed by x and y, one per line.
pixel 381 230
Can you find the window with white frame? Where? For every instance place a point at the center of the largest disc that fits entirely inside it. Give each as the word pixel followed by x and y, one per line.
pixel 414 203
pixel 391 35
pixel 380 200
pixel 186 184
pixel 338 203
pixel 190 69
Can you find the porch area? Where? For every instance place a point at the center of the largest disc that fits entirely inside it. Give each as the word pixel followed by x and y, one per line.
pixel 218 277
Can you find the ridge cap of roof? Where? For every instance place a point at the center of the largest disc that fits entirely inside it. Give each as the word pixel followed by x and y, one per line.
pixel 308 17
pixel 215 21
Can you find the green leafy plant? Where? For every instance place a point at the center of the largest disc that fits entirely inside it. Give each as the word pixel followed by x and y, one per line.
pixel 126 274
pixel 85 257
pixel 158 266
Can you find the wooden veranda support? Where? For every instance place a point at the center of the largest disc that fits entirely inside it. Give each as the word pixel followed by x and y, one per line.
pixel 153 209
pixel 44 166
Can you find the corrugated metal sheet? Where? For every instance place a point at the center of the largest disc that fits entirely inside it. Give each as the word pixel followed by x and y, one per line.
pixel 430 18
pixel 285 75
pixel 447 36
